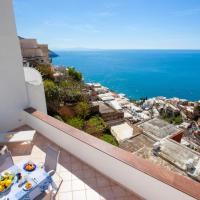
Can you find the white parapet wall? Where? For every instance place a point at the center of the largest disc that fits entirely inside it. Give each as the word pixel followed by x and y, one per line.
pixel 13 97
pixel 35 89
pixel 126 175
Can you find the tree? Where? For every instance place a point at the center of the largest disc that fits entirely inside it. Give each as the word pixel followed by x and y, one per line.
pixel 46 71
pixel 95 126
pixel 52 96
pixel 196 114
pixel 76 122
pixel 74 74
pixel 70 91
pixel 82 109
pixel 178 120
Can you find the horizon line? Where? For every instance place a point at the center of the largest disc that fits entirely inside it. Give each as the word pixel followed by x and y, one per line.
pixel 102 49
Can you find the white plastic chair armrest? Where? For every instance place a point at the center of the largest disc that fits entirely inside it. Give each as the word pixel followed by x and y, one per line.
pixel 4 150
pixel 51 172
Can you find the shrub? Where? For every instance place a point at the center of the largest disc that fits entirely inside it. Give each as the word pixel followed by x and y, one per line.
pixel 196 114
pixel 74 74
pixel 52 96
pixel 76 122
pixel 95 126
pixel 110 139
pixel 70 91
pixel 46 71
pixel 82 109
pixel 178 120
pixel 66 112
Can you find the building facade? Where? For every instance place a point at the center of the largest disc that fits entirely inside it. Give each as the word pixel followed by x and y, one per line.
pixel 14 93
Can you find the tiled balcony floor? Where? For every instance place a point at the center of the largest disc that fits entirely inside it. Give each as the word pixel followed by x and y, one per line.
pixel 80 181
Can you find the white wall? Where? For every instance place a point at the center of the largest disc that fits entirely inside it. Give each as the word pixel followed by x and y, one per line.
pixel 35 89
pixel 13 96
pixel 133 179
pixel 36 97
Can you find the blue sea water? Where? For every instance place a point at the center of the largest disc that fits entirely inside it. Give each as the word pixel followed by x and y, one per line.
pixel 139 73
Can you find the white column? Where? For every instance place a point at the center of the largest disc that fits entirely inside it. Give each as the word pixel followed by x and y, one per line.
pixel 13 98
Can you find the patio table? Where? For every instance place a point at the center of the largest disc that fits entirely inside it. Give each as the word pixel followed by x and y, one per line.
pixel 39 178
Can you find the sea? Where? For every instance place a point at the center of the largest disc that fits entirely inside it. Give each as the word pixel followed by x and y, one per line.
pixel 139 73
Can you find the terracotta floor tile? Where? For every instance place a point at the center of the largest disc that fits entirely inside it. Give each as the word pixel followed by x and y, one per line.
pixel 89 173
pixel 118 191
pixel 102 182
pixel 91 183
pixel 77 165
pixel 65 157
pixel 77 175
pixel 107 193
pixel 64 168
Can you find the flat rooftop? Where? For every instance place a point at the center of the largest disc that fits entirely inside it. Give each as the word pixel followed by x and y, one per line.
pixel 147 154
pixel 158 129
pixel 136 143
pixel 177 154
pixel 103 108
pixel 80 181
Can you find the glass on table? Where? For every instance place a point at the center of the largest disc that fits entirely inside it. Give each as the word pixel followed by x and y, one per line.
pixel 41 165
pixel 23 180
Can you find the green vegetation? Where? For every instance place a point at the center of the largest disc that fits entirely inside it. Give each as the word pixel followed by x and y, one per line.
pixel 75 75
pixel 67 102
pixel 76 122
pixel 197 108
pixel 110 139
pixel 178 120
pixel 82 109
pixel 95 126
pixel 172 119
pixel 51 90
pixel 52 96
pixel 196 112
pixel 66 112
pixel 46 71
pixel 133 100
pixel 70 91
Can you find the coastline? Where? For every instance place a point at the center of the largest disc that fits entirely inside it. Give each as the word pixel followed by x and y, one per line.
pixel 139 73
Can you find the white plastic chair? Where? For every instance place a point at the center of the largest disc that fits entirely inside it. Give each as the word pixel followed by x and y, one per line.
pixel 3 149
pixel 51 160
pixel 50 166
pixel 6 161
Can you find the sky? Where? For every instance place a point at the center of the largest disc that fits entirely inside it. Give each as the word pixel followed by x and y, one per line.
pixel 110 24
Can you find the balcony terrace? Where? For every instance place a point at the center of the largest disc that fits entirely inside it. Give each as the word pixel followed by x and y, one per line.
pixel 80 181
pixel 93 169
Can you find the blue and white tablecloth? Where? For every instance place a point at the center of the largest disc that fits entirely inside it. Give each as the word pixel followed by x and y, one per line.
pixel 39 178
